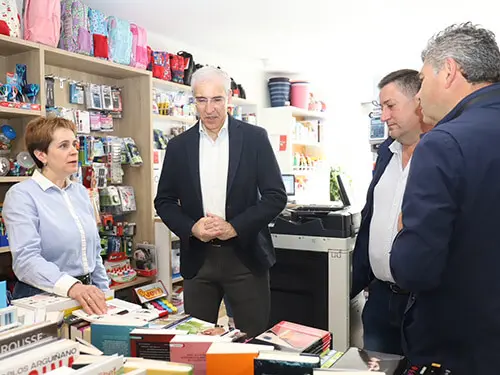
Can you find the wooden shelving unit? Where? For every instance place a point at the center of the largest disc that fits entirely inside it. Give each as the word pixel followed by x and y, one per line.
pixel 139 280
pixel 188 120
pixel 172 86
pixel 12 113
pixel 136 85
pixel 12 179
pixel 137 122
pixel 177 279
pixel 90 65
pixel 13 46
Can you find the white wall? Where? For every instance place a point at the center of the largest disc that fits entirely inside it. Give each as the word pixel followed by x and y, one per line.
pixel 386 35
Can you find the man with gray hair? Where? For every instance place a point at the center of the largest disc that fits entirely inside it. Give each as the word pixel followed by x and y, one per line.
pixel 220 187
pixel 383 312
pixel 448 250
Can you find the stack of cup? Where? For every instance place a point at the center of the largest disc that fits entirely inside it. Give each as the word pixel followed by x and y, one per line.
pixel 279 91
pixel 299 95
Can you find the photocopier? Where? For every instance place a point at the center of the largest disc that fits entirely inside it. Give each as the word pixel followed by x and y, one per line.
pixel 310 282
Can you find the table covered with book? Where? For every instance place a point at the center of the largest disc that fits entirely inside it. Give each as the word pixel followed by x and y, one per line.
pixel 51 334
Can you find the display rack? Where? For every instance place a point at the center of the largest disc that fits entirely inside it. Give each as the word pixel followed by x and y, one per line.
pixel 311 173
pixel 136 122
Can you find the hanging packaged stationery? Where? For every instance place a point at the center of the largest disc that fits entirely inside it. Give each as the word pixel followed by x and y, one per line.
pixel 120 40
pixel 128 246
pixel 75 30
pixel 76 93
pixel 85 151
pixel 159 139
pixel 99 174
pixel 42 21
pixel 82 122
pixel 109 199
pixel 94 199
pixel 99 150
pixel 49 92
pixel 95 121
pixel 99 32
pixel 21 76
pixel 107 103
pixel 116 171
pixel 93 96
pixel 10 20
pixel 68 114
pixel 133 156
pixel 116 98
pixel 106 122
pixel 127 198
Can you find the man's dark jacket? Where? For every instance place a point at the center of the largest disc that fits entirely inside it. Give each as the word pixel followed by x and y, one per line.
pixel 255 195
pixel 448 252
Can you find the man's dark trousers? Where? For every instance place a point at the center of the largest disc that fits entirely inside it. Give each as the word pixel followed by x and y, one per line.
pixel 247 292
pixel 383 316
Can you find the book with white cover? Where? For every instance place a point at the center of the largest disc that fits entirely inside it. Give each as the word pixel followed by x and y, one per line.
pixel 40 361
pixel 103 366
pixel 26 338
pixel 170 368
pixel 52 302
pixel 87 348
pixel 112 365
pixel 117 307
pixel 63 371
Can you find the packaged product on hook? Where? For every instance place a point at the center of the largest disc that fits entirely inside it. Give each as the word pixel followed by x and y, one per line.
pixel 133 156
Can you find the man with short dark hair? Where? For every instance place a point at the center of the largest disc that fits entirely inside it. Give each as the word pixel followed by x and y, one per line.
pixel 448 251
pixel 383 312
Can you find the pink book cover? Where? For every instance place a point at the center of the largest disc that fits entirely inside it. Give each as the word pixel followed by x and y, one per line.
pixel 192 350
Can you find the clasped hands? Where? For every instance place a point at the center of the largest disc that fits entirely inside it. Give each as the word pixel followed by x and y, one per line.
pixel 211 227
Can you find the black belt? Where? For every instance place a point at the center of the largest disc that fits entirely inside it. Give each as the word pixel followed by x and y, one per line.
pixel 395 289
pixel 219 243
pixel 85 279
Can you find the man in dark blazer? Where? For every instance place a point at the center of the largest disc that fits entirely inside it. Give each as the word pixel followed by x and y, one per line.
pixel 219 189
pixel 448 251
pixel 383 312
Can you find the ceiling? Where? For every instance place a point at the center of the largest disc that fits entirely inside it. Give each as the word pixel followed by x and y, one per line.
pixel 260 29
pixel 314 35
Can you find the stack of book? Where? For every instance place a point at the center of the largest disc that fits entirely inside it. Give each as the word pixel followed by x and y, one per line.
pixel 50 334
pixel 371 362
pixel 35 349
pixel 295 338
